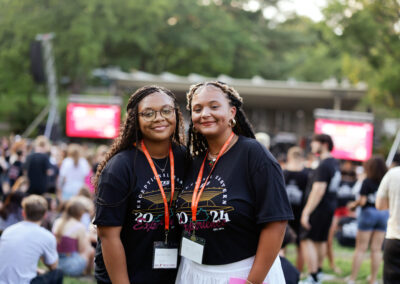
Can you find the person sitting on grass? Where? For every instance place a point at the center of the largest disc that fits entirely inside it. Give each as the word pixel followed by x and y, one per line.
pixel 73 244
pixel 11 212
pixel 24 243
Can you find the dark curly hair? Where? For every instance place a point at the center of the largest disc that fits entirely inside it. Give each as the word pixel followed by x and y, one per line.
pixel 130 131
pixel 197 143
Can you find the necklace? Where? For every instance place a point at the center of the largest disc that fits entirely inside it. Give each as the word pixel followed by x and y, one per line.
pixel 165 166
pixel 213 157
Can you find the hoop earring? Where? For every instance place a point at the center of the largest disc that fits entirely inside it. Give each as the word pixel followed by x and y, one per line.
pixel 232 123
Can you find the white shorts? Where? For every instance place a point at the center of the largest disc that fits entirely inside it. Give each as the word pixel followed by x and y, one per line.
pixel 191 272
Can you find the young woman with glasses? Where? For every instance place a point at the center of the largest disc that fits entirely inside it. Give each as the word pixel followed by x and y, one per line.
pixel 136 187
pixel 233 207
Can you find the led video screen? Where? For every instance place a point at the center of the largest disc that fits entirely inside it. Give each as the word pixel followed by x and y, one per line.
pixel 93 120
pixel 352 140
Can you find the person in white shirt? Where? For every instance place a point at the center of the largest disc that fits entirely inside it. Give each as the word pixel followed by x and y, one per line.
pixel 73 172
pixel 388 197
pixel 24 243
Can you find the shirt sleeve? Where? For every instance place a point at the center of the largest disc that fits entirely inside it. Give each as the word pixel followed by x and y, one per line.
pixel 322 174
pixel 63 168
pixel 383 190
pixel 86 167
pixel 48 163
pixel 25 166
pixel 272 203
pixel 364 188
pixel 115 187
pixel 50 255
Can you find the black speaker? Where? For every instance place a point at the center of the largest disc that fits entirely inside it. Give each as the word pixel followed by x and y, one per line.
pixel 36 56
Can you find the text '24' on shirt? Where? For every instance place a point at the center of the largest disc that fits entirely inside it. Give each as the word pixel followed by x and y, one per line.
pixel 245 191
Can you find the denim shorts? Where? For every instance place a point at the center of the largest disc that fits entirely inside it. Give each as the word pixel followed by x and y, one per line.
pixel 372 219
pixel 72 264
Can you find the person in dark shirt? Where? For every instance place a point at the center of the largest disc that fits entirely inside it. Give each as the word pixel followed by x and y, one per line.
pixel 318 212
pixel 233 207
pixel 371 222
pixel 135 193
pixel 37 167
pixel 344 196
pixel 3 170
pixel 296 179
pixel 16 167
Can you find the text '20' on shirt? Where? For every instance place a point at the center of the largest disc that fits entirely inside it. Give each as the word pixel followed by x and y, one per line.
pixel 129 196
pixel 245 191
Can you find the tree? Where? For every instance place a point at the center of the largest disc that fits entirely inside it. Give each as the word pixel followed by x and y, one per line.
pixel 369 32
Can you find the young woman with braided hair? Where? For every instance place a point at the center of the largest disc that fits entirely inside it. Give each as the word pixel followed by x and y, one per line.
pixel 136 188
pixel 233 207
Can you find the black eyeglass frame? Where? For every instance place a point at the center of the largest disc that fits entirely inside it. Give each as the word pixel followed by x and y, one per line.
pixel 154 115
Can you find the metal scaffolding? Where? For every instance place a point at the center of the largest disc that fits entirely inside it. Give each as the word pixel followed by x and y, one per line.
pixel 51 108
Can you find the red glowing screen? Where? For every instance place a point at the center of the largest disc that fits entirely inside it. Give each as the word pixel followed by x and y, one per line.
pixel 93 121
pixel 352 140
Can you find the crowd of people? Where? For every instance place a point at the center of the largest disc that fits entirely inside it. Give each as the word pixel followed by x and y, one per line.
pixel 329 198
pixel 213 207
pixel 57 180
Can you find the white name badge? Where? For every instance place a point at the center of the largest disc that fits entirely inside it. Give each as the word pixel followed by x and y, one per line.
pixel 165 256
pixel 192 247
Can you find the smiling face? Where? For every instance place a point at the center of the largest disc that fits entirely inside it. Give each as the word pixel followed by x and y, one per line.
pixel 161 127
pixel 211 112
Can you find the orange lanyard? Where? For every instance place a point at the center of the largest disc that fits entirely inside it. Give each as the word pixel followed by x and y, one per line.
pixel 172 174
pixel 196 193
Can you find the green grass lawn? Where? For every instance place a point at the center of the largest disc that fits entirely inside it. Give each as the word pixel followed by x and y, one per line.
pixel 70 280
pixel 343 259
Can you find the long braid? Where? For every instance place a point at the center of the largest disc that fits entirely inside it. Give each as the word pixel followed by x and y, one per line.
pixel 130 131
pixel 197 143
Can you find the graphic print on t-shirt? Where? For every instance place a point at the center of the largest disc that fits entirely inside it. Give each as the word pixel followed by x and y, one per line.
pixel 148 212
pixel 335 182
pixel 294 193
pixel 212 211
pixel 345 191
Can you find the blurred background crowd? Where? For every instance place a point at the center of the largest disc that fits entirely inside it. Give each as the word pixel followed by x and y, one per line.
pixel 62 173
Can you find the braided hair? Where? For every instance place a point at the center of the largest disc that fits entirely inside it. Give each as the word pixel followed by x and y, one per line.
pixel 130 131
pixel 197 143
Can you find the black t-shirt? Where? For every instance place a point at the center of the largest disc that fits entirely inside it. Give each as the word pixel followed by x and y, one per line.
pixel 128 196
pixel 296 186
pixel 37 165
pixel 369 189
pixel 345 193
pixel 327 171
pixel 52 178
pixel 245 191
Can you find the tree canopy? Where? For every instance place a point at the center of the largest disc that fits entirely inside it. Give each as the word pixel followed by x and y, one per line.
pixel 358 40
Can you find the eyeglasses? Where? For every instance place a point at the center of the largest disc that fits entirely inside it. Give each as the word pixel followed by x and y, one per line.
pixel 150 114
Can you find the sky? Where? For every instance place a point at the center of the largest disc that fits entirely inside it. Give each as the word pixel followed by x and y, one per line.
pixel 309 8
